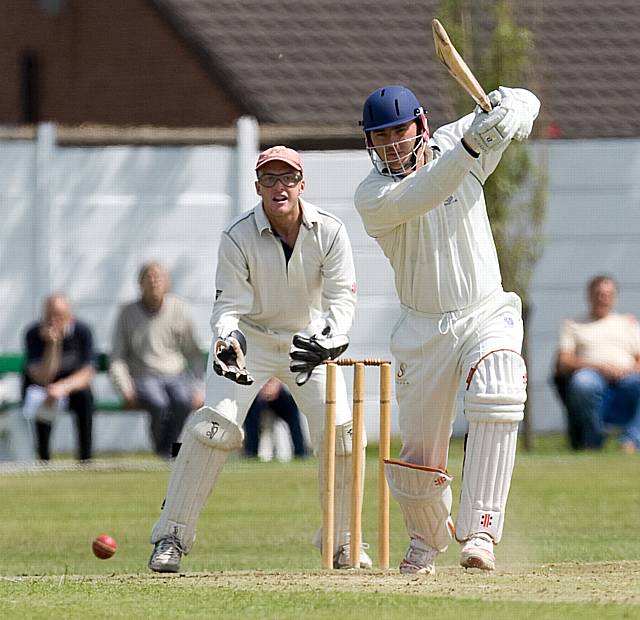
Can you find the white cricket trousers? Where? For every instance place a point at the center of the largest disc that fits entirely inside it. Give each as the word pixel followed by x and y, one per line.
pixel 434 354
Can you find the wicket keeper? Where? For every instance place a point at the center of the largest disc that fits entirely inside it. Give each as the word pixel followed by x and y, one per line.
pixel 285 299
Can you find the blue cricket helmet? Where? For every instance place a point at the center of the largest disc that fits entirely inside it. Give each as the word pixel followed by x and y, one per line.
pixel 389 106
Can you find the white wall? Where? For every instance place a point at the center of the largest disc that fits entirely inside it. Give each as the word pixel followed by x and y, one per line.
pixel 82 220
pixel 592 226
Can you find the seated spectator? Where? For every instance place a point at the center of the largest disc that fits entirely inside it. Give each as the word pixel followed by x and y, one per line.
pixel 273 396
pixel 599 364
pixel 58 374
pixel 156 362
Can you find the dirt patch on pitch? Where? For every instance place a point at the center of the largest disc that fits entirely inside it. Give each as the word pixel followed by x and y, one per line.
pixel 603 582
pixel 597 582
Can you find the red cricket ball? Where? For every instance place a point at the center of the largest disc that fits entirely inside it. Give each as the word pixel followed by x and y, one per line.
pixel 104 546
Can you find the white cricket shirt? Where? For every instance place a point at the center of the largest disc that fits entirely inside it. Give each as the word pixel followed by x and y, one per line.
pixel 432 225
pixel 316 288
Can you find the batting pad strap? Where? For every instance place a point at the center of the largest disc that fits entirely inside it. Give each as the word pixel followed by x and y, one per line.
pixel 424 495
pixel 214 429
pixel 494 413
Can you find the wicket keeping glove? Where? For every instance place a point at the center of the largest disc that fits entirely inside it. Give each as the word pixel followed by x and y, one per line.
pixel 229 360
pixel 306 353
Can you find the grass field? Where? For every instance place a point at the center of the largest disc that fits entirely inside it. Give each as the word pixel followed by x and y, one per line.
pixel 571 547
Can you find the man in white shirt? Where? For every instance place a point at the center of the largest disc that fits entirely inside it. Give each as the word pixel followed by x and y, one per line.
pixel 285 299
pixel 600 356
pixel 423 203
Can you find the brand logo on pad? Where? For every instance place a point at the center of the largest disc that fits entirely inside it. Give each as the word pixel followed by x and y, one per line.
pixel 486 520
pixel 213 431
pixel 439 481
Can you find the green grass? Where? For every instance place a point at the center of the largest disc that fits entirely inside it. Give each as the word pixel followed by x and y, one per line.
pixel 161 601
pixel 570 516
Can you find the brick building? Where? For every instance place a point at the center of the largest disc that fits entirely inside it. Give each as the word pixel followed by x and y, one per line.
pixel 111 62
pixel 197 63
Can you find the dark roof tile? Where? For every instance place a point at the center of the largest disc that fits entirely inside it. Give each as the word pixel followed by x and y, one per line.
pixel 295 63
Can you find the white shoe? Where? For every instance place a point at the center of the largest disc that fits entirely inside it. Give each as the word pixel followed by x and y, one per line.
pixel 477 552
pixel 342 557
pixel 420 559
pixel 166 556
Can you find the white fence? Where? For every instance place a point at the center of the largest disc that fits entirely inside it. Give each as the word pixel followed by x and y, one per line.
pixel 82 220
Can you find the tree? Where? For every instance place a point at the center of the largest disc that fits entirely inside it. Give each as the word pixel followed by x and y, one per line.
pixel 499 52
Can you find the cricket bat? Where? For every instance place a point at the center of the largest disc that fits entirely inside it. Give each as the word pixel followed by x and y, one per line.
pixel 457 67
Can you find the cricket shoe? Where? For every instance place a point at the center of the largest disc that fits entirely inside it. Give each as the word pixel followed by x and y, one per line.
pixel 342 557
pixel 420 559
pixel 166 556
pixel 477 552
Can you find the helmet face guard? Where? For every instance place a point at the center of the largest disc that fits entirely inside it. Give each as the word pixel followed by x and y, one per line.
pixel 390 106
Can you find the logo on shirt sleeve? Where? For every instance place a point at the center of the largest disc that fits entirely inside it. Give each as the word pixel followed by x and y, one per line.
pixel 218 293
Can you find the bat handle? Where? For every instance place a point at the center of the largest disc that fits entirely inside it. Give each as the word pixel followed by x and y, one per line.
pixel 485 104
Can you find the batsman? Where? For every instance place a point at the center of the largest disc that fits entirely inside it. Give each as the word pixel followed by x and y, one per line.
pixel 423 203
pixel 285 300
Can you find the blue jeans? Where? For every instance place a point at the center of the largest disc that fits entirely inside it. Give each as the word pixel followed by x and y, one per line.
pixel 285 408
pixel 598 403
pixel 168 400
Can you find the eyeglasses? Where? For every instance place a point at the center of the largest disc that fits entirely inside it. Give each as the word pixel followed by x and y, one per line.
pixel 288 179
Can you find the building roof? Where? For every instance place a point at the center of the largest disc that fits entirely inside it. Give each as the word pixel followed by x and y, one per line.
pixel 588 52
pixel 312 63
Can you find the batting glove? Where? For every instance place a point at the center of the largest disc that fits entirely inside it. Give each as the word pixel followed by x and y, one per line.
pixel 514 99
pixel 306 353
pixel 525 116
pixel 229 360
pixel 490 130
pixel 495 98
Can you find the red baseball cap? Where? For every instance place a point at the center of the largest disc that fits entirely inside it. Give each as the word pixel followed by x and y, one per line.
pixel 280 153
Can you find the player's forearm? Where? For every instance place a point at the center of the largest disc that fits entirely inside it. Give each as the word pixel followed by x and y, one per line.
pixel 195 359
pixel 340 287
pixel 234 293
pixel 78 380
pixel 414 196
pixel 570 362
pixel 45 371
pixel 340 316
pixel 121 378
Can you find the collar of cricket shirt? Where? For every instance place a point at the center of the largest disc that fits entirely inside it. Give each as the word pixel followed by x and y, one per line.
pixel 309 216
